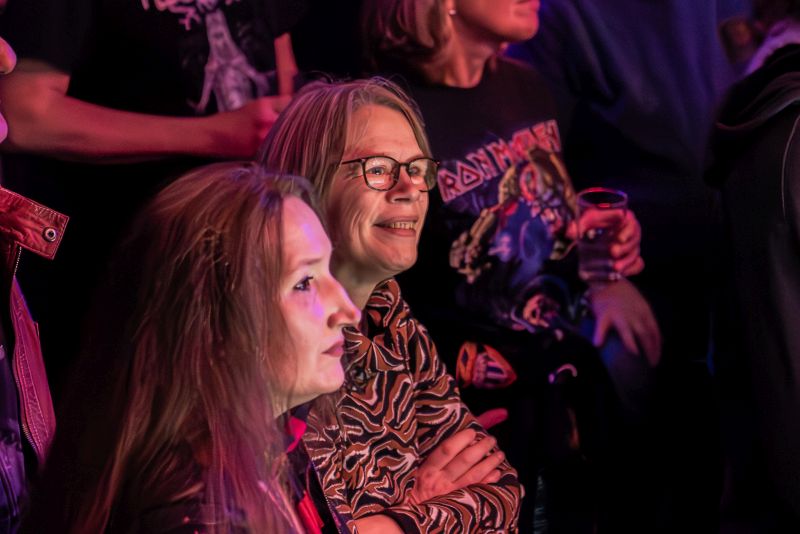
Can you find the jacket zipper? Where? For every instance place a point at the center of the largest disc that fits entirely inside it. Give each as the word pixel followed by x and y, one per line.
pixel 18 255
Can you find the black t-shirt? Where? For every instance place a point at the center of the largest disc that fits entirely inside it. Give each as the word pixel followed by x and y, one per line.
pixel 146 56
pixel 493 254
pixel 181 58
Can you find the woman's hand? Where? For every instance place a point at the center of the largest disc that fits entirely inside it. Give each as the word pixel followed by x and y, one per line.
pixel 457 462
pixel 625 249
pixel 620 306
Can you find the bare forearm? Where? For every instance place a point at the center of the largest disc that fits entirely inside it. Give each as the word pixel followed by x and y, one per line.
pixel 80 131
pixel 43 120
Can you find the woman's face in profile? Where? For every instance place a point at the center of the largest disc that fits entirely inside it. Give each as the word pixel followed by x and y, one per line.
pixel 314 305
pixel 376 232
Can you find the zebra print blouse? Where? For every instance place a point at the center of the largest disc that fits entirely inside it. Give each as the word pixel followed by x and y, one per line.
pixel 398 403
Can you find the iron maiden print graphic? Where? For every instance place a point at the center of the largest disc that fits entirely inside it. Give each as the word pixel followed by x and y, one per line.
pixel 519 198
pixel 228 74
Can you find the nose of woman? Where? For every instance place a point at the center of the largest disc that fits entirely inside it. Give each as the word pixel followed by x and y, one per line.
pixel 343 311
pixel 404 189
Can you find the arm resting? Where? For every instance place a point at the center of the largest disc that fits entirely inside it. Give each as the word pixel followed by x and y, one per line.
pixel 44 120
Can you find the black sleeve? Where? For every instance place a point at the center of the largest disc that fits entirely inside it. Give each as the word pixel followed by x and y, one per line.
pixel 48 30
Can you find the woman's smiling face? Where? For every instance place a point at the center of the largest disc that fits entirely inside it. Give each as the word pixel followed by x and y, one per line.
pixel 375 233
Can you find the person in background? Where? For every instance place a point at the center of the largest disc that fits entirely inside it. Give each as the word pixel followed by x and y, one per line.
pixel 27 420
pixel 636 87
pixel 756 153
pixel 496 280
pixel 402 453
pixel 112 100
pixel 220 318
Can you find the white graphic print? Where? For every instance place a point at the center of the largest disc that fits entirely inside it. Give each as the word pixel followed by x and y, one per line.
pixel 228 74
pixel 191 11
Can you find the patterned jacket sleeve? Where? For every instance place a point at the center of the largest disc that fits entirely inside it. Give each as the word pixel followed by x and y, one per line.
pixel 441 413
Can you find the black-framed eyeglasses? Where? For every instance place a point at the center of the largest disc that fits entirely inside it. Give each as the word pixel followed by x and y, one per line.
pixel 382 173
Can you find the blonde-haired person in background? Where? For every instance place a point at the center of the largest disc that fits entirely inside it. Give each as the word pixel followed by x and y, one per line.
pixel 495 281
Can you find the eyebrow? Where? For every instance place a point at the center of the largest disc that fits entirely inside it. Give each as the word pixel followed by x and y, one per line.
pixel 367 156
pixel 295 264
pixel 304 262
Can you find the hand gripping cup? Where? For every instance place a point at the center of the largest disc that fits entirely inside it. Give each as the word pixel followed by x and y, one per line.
pixel 601 212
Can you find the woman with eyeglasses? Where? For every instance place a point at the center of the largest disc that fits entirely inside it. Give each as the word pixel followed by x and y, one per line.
pixel 221 323
pixel 401 453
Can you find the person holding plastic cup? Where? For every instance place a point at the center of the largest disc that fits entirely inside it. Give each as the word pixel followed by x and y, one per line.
pixel 495 280
pixel 601 232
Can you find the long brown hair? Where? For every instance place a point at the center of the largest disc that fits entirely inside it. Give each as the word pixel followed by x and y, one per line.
pixel 182 370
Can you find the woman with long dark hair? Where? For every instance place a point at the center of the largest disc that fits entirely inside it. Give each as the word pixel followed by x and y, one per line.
pixel 221 315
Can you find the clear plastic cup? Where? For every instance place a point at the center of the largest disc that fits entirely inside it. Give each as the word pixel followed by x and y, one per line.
pixel 601 212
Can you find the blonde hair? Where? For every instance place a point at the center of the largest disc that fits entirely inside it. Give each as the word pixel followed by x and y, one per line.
pixel 311 134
